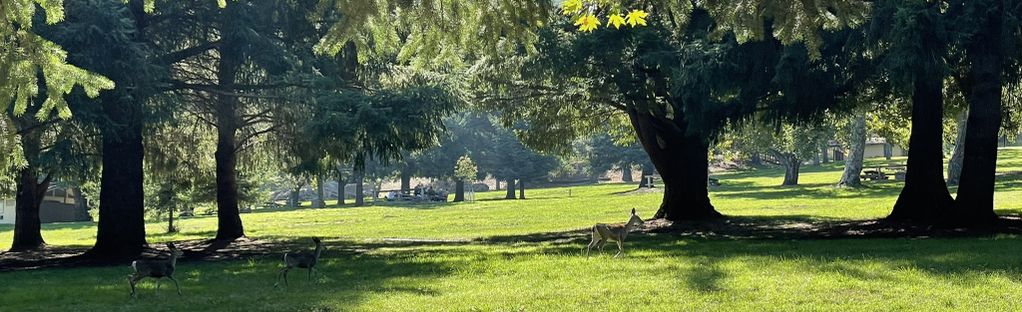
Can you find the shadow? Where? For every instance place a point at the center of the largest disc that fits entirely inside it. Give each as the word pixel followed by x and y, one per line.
pixel 813 190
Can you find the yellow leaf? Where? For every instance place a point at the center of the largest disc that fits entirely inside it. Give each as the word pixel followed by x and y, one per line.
pixel 587 22
pixel 221 3
pixel 637 17
pixel 616 20
pixel 570 7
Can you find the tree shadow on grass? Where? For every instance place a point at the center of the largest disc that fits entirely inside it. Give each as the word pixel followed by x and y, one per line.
pixel 346 279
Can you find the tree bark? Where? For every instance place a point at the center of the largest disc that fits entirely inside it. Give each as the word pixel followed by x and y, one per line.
pixel 320 198
pixel 459 190
pixel 510 189
pixel 360 199
pixel 681 160
pixel 646 171
pixel 975 202
pixel 340 187
pixel 626 173
pixel 824 152
pixel 792 164
pixel 856 151
pixel 29 197
pixel 406 181
pixel 229 226
pixel 30 192
pixel 521 189
pixel 121 226
pixel 954 165
pixel 925 197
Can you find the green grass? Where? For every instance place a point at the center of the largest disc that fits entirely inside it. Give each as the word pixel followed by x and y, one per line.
pixel 362 271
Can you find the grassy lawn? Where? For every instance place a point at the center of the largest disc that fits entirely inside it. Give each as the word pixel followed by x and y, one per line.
pixel 363 271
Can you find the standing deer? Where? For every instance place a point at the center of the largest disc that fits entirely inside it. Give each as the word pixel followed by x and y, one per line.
pixel 155 268
pixel 613 232
pixel 301 260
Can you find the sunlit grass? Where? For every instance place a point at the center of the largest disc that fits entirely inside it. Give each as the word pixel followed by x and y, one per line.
pixel 362 271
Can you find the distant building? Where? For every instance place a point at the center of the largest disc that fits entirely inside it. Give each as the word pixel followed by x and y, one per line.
pixel 875 147
pixel 59 205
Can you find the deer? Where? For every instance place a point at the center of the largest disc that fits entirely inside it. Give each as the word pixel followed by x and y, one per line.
pixel 302 260
pixel 612 232
pixel 155 268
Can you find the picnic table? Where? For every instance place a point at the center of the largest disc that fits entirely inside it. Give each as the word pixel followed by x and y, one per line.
pixel 879 173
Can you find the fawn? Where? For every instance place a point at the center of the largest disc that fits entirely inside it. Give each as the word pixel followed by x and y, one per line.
pixel 301 260
pixel 155 268
pixel 613 232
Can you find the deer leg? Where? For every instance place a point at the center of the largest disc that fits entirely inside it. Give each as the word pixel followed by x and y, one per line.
pixel 158 285
pixel 601 243
pixel 620 248
pixel 132 281
pixel 172 279
pixel 285 276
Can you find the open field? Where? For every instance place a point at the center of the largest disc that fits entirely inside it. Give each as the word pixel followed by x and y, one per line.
pixel 493 258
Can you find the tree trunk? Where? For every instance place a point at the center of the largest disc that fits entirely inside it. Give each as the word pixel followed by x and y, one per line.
pixel 975 202
pixel 459 190
pixel 925 197
pixel 295 200
pixel 497 184
pixel 170 220
pixel 229 226
pixel 856 151
pixel 510 189
pixel 816 159
pixel 954 165
pixel 121 226
pixel 888 151
pixel 792 164
pixel 360 199
pixel 406 181
pixel 647 171
pixel 27 226
pixel 824 153
pixel 681 160
pixel 626 173
pixel 521 189
pixel 340 187
pixel 30 192
pixel 320 198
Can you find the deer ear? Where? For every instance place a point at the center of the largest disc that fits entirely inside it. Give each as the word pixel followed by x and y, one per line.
pixel 633 210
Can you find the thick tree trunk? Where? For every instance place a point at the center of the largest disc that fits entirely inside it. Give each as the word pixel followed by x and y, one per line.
pixel 406 181
pixel 121 226
pixel 856 151
pixel 824 152
pixel 975 202
pixel 756 160
pixel 360 199
pixel 30 192
pixel 27 226
pixel 229 226
pixel 954 165
pixel 646 171
pixel 459 190
pixel 925 197
pixel 681 160
pixel 521 189
pixel 888 151
pixel 791 168
pixel 510 189
pixel 320 198
pixel 626 173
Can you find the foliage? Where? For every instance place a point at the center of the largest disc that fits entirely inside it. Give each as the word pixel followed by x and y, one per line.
pixel 466 169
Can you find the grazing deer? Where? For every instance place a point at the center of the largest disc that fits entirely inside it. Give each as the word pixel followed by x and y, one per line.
pixel 300 260
pixel 155 268
pixel 613 232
